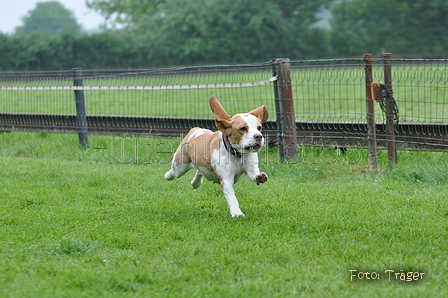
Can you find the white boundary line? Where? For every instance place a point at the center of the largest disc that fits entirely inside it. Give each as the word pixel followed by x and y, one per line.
pixel 145 88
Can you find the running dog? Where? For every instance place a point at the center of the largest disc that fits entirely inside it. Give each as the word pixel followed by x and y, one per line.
pixel 223 156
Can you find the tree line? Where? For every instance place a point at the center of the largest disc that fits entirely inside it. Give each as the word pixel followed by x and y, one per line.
pixel 191 32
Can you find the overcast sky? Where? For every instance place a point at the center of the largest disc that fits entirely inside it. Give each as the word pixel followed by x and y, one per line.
pixel 12 11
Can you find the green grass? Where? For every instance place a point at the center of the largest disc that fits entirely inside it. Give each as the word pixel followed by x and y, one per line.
pixel 102 223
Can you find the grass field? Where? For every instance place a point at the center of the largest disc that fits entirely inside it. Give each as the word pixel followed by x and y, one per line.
pixel 102 222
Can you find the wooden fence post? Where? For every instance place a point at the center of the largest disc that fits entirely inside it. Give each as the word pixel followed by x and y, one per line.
pixel 390 124
pixel 284 105
pixel 80 109
pixel 370 113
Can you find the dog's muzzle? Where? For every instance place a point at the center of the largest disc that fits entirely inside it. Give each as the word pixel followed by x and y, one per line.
pixel 257 144
pixel 254 148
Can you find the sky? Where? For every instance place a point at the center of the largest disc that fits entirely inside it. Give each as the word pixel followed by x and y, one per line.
pixel 12 11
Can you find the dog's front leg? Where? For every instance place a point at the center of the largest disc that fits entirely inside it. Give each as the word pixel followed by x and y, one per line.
pixel 232 201
pixel 254 174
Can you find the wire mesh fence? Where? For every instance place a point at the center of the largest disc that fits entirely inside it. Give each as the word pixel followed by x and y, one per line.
pixel 329 99
pixel 177 92
pixel 334 90
pixel 329 91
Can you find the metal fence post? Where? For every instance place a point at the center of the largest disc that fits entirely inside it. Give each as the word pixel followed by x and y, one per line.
pixel 390 124
pixel 277 112
pixel 284 105
pixel 370 113
pixel 80 108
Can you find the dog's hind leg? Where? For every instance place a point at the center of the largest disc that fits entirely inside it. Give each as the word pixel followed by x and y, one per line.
pixel 197 180
pixel 177 170
pixel 181 163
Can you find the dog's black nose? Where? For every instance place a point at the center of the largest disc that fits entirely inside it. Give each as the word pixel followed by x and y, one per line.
pixel 258 137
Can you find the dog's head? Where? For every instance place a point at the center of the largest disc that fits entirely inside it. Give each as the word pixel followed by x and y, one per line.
pixel 243 130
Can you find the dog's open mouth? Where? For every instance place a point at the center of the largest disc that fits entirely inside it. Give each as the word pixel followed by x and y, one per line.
pixel 253 148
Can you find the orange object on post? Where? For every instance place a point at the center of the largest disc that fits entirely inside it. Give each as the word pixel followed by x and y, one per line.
pixel 377 92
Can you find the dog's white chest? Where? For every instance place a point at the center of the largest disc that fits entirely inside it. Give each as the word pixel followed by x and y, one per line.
pixel 209 175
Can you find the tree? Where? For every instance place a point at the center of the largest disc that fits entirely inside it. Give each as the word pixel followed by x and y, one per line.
pixel 198 31
pixel 49 17
pixel 398 26
pixel 123 12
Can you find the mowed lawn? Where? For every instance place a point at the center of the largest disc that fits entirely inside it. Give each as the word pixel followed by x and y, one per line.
pixel 102 222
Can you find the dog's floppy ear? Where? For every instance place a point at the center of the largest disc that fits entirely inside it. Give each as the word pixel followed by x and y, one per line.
pixel 261 113
pixel 222 119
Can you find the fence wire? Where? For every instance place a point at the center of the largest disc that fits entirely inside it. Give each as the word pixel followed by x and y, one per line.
pixel 329 95
pixel 334 90
pixel 189 101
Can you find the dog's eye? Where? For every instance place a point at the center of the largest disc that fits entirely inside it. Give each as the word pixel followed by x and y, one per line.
pixel 243 129
pixel 259 128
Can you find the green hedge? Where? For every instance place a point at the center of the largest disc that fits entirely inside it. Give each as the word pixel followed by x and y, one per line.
pixel 66 51
pixel 121 50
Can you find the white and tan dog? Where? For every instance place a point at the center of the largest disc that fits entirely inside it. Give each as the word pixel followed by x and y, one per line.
pixel 223 156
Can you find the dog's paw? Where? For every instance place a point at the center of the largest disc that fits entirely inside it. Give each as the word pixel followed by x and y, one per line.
pixel 261 178
pixel 169 176
pixel 238 214
pixel 196 182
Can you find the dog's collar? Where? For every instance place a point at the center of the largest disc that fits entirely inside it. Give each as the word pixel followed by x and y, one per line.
pixel 228 146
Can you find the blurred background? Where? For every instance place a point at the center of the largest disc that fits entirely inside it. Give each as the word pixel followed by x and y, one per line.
pixel 52 35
